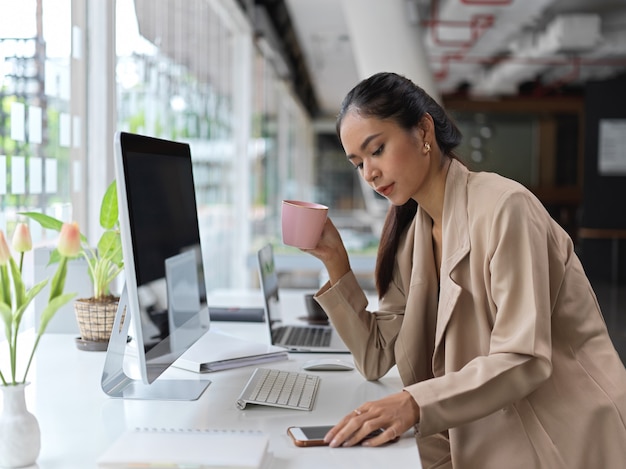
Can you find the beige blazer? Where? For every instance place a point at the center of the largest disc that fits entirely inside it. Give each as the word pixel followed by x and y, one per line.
pixel 513 357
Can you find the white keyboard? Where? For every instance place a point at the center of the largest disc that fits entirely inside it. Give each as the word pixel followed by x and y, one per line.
pixel 287 389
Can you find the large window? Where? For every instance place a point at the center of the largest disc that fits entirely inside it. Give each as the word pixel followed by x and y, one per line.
pixel 283 162
pixel 175 81
pixel 187 70
pixel 41 110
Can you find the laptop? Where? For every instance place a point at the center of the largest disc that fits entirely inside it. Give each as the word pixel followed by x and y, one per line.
pixel 296 338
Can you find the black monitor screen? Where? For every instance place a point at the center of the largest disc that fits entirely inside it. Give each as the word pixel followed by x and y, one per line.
pixel 160 222
pixel 162 208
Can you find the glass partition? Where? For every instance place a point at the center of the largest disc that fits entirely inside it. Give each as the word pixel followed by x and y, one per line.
pixel 182 74
pixel 175 80
pixel 41 117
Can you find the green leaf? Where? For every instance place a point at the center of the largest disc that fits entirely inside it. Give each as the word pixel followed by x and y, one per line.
pixel 55 256
pixel 5 284
pixel 47 222
pixel 107 244
pixel 58 279
pixel 117 256
pixel 49 311
pixel 51 308
pixel 109 209
pixel 30 296
pixel 7 317
pixel 18 284
pixel 34 291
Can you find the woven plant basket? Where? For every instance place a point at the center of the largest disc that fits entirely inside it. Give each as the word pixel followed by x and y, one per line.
pixel 95 319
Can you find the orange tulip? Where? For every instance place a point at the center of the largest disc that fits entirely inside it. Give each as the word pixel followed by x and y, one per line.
pixel 69 241
pixel 22 241
pixel 5 254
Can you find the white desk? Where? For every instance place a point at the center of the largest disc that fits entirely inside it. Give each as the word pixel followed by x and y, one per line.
pixel 78 421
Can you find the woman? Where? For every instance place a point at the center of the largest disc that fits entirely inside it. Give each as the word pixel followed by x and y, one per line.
pixel 484 306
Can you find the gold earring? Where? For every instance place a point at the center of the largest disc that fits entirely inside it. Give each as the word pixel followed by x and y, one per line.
pixel 427 146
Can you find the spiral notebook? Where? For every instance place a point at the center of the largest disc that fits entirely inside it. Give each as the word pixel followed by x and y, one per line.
pixel 165 447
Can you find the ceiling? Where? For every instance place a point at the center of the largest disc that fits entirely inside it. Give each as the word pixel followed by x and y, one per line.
pixel 482 48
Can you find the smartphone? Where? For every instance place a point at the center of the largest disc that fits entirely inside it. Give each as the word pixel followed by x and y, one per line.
pixel 314 436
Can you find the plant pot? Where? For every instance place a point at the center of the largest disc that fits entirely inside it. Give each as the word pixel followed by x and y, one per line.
pixel 95 321
pixel 20 436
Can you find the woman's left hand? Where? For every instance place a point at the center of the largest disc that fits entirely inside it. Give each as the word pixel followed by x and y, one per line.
pixel 395 414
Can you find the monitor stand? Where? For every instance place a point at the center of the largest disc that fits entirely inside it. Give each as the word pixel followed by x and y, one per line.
pixel 116 383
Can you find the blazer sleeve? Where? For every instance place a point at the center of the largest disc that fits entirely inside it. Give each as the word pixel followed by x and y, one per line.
pixel 370 336
pixel 519 342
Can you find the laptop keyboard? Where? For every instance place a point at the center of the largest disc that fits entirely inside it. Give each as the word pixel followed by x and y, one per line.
pixel 287 389
pixel 305 336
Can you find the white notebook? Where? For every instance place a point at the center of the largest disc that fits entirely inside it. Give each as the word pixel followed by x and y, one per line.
pixel 216 351
pixel 156 447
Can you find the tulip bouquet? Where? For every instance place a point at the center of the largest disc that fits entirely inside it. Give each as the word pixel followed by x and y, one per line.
pixel 15 297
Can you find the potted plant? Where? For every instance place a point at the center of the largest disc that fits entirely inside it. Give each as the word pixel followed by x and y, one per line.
pixel 19 429
pixel 95 315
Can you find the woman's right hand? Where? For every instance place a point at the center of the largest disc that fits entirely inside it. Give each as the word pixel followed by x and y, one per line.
pixel 332 252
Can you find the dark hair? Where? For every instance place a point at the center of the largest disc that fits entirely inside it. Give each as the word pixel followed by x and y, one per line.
pixel 388 96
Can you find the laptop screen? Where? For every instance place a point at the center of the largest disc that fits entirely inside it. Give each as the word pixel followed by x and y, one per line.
pixel 269 283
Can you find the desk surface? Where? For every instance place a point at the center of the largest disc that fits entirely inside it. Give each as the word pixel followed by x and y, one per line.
pixel 78 421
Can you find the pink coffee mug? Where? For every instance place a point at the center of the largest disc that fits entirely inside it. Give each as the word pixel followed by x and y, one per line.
pixel 303 223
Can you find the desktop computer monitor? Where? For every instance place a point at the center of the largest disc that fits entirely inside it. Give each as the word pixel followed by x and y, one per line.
pixel 164 298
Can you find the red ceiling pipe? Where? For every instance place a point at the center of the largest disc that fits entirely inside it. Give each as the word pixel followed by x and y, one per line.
pixel 573 61
pixel 477 26
pixel 570 77
pixel 442 73
pixel 487 2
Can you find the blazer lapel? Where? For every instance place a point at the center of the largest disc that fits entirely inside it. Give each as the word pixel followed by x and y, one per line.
pixel 456 246
pixel 415 337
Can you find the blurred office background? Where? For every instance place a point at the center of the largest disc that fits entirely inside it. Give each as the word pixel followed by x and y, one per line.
pixel 538 88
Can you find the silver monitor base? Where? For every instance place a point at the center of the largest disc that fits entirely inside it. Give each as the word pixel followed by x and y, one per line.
pixel 116 383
